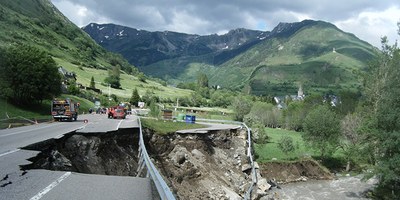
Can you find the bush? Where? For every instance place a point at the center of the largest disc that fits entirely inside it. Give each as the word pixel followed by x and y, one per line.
pixel 259 134
pixel 155 110
pixel 286 145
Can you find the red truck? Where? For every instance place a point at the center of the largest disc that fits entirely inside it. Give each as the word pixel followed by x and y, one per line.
pixel 64 109
pixel 116 112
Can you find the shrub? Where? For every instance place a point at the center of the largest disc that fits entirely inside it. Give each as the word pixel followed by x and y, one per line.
pixel 286 145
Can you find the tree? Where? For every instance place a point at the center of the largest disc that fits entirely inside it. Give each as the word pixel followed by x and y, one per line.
pixel 135 98
pixel 264 113
pixel 383 123
pixel 286 145
pixel 259 134
pixel 154 109
pixel 351 138
pixel 321 130
pixel 294 115
pixel 92 83
pixel 72 88
pixel 150 96
pixel 141 77
pixel 197 100
pixel 241 105
pixel 28 75
pixel 203 91
pixel 348 102
pixel 221 98
pixel 202 80
pixel 189 86
pixel 114 77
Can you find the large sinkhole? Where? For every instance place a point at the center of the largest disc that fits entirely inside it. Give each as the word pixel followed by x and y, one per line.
pixel 111 153
pixel 192 164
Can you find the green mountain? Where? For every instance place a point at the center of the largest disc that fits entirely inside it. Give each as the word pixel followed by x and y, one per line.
pixel 318 56
pixel 40 24
pixel 314 54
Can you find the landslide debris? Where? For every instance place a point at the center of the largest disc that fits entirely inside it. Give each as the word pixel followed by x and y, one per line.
pixel 203 166
pixel 287 172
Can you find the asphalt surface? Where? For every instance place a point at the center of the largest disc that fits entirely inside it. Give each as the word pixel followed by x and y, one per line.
pixel 210 127
pixel 44 184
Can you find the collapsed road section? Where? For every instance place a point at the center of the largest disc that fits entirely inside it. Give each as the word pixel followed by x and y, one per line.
pixel 195 165
pixel 109 153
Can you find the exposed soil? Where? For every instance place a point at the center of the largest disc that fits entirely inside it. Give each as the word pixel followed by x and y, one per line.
pixel 112 153
pixel 286 172
pixel 203 166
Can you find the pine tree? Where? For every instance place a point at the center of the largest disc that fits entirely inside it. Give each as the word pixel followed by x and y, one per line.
pixel 135 98
pixel 92 83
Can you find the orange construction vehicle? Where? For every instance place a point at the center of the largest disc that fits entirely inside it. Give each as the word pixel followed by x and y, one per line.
pixel 64 109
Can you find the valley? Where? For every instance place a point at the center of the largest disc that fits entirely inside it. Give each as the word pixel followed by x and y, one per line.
pixel 269 63
pixel 309 101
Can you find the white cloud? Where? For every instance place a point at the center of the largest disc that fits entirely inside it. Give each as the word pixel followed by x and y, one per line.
pixel 182 21
pixel 368 20
pixel 79 14
pixel 372 25
pixel 82 11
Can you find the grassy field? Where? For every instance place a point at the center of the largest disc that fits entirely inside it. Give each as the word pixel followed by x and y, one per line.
pixel 163 127
pixel 206 112
pixel 128 83
pixel 266 152
pixel 8 110
pixel 18 115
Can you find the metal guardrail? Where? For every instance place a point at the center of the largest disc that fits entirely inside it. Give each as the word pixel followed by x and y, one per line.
pixel 249 153
pixel 162 187
pixel 144 161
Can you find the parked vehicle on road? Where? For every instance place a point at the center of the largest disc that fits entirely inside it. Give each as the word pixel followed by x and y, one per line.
pixel 64 109
pixel 117 112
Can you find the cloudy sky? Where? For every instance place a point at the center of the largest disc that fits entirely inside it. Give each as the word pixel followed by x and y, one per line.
pixel 367 19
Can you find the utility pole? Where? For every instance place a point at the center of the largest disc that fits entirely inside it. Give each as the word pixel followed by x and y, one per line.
pixel 109 92
pixel 177 103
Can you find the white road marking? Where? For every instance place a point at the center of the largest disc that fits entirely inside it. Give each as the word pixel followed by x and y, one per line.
pixel 50 187
pixel 61 135
pixel 119 124
pixel 18 132
pixel 8 152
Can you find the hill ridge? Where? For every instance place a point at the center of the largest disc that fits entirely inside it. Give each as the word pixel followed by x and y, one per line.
pixel 240 55
pixel 299 47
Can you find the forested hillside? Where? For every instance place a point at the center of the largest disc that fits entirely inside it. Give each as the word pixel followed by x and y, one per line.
pixel 38 23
